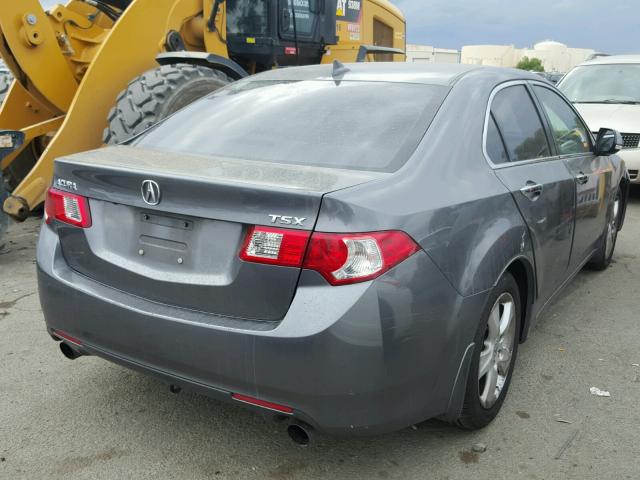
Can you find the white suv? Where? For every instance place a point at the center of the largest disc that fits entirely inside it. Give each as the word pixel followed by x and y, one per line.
pixel 606 92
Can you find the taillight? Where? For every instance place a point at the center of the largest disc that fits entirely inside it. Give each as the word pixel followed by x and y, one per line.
pixel 67 207
pixel 340 258
pixel 275 246
pixel 351 258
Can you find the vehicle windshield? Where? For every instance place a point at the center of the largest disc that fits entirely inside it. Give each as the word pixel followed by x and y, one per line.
pixel 373 126
pixel 617 84
pixel 247 17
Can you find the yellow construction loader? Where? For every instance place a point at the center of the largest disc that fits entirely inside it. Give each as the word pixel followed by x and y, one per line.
pixel 100 71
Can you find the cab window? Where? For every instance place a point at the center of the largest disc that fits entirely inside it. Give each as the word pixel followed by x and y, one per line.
pixel 569 132
pixel 306 13
pixel 247 18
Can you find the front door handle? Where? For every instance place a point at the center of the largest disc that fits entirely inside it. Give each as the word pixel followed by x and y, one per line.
pixel 581 178
pixel 532 191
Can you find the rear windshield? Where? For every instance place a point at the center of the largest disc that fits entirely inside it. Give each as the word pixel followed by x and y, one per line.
pixel 373 126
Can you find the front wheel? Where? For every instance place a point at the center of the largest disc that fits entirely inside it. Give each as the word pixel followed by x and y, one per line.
pixel 496 348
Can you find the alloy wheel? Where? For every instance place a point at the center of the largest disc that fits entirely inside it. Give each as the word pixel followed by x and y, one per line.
pixel 612 229
pixel 497 350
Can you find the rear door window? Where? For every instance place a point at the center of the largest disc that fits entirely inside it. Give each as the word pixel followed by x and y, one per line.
pixel 569 132
pixel 519 122
pixel 495 146
pixel 373 126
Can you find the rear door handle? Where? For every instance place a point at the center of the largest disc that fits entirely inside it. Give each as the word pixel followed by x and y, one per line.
pixel 532 191
pixel 581 178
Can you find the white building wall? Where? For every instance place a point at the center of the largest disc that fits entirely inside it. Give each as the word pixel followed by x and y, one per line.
pixel 429 54
pixel 555 56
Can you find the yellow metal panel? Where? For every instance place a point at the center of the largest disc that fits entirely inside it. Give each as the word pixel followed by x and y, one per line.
pixel 216 42
pixel 20 109
pixel 30 133
pixel 129 50
pixel 355 29
pixel 32 41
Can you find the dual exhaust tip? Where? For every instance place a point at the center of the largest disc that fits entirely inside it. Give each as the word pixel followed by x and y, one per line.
pixel 70 351
pixel 300 433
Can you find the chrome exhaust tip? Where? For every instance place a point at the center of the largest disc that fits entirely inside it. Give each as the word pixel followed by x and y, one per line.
pixel 70 352
pixel 300 433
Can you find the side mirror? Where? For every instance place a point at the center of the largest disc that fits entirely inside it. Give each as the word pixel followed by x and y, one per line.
pixel 10 140
pixel 608 142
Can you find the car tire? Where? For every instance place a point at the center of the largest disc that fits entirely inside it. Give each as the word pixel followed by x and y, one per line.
pixel 156 94
pixel 495 353
pixel 607 245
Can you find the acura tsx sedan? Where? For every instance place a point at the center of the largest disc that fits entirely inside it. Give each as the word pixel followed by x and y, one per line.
pixel 355 247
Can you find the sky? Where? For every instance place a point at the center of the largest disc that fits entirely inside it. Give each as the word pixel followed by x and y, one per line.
pixel 608 27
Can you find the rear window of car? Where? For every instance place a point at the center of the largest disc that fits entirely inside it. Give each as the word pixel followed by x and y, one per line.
pixel 520 125
pixel 373 126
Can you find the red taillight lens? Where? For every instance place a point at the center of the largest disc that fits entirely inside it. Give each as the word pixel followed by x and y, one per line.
pixel 275 246
pixel 351 258
pixel 340 258
pixel 67 207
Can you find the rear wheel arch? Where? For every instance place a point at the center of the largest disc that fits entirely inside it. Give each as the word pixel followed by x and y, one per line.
pixel 524 275
pixel 625 188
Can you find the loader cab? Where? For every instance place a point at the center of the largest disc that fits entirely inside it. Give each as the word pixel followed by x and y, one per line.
pixel 263 34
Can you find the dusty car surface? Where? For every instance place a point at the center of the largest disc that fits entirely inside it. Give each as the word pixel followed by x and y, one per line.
pixel 356 247
pixel 606 92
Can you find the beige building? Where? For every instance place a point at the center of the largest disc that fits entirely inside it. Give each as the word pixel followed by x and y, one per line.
pixel 555 56
pixel 428 54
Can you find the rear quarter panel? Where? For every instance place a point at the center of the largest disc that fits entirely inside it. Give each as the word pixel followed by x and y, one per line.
pixel 446 197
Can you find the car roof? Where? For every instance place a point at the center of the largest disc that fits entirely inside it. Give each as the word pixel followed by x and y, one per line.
pixel 614 60
pixel 395 72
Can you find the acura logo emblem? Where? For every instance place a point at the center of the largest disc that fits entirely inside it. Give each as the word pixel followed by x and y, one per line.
pixel 150 192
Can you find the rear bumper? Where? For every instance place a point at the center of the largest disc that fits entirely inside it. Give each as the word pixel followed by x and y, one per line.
pixel 364 358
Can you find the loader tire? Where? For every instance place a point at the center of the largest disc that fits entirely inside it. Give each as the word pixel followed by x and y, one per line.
pixel 5 82
pixel 157 94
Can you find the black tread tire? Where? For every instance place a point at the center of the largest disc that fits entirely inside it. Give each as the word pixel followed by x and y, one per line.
pixel 600 261
pixel 156 94
pixel 474 416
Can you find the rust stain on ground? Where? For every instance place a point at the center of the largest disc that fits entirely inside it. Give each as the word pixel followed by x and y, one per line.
pixel 71 465
pixel 12 303
pixel 469 457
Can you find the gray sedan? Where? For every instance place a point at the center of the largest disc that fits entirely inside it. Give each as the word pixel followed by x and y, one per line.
pixel 354 248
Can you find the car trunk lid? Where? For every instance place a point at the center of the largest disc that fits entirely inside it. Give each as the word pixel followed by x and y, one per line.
pixel 183 251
